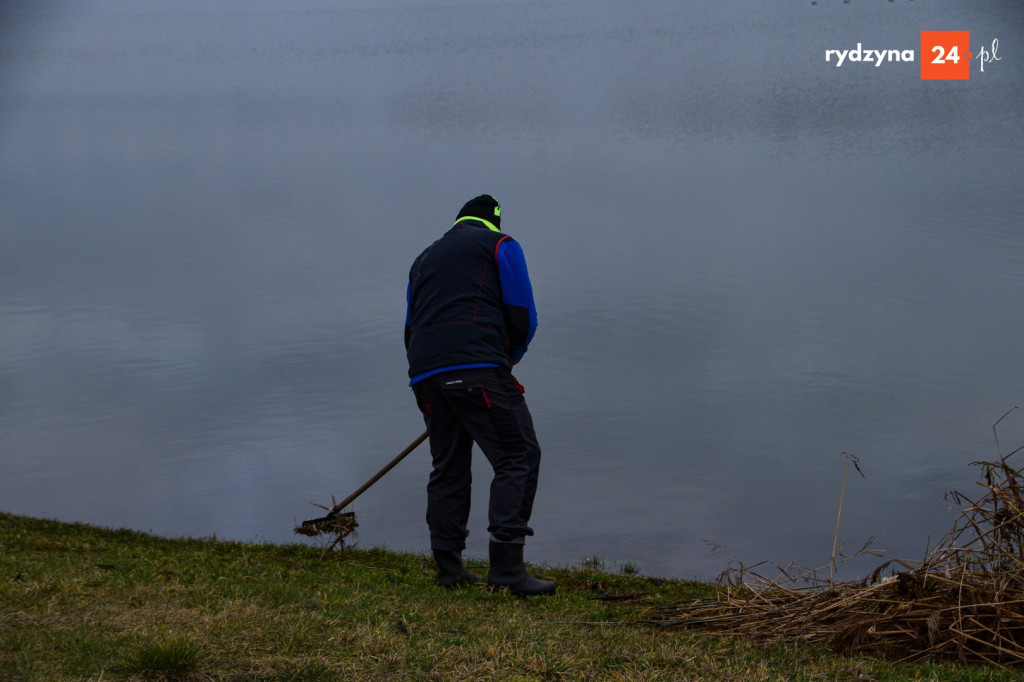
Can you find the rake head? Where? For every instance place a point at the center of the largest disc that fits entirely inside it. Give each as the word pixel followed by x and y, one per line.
pixel 337 524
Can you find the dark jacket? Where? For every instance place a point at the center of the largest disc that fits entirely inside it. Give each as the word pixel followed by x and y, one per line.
pixel 469 302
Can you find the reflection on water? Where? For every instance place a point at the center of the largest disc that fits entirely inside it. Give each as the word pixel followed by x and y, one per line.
pixel 744 266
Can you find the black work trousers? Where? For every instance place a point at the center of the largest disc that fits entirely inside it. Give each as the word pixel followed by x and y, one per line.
pixel 485 406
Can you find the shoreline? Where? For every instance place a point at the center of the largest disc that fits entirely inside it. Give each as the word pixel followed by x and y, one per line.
pixel 84 602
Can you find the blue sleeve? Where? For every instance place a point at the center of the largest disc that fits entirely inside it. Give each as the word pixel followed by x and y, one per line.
pixel 517 296
pixel 408 301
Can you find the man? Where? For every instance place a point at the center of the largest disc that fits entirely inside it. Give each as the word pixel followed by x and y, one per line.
pixel 470 316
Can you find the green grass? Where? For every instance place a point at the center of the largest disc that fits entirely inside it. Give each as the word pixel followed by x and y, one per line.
pixel 84 603
pixel 170 656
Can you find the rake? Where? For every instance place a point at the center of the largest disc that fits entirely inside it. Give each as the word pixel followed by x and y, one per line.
pixel 340 524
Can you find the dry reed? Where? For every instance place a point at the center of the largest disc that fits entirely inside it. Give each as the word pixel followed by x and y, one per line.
pixel 963 601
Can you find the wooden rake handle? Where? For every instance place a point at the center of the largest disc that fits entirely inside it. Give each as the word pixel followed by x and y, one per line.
pixel 376 477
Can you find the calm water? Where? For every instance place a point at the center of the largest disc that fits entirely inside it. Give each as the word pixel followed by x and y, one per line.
pixel 746 262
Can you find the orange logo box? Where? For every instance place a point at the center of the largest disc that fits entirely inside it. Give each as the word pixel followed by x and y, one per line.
pixel 946 55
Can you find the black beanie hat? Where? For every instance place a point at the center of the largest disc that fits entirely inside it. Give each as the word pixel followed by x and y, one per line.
pixel 484 206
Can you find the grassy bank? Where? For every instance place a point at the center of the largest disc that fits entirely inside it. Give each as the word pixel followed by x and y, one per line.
pixel 80 602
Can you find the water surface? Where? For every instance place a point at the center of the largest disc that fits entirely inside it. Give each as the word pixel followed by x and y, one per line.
pixel 746 263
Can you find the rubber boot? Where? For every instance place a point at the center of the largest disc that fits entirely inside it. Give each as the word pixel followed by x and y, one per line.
pixel 450 571
pixel 507 570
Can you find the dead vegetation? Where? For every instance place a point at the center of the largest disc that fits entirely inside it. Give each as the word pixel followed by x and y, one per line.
pixel 964 601
pixel 336 525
